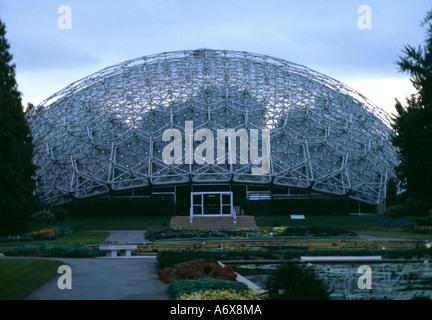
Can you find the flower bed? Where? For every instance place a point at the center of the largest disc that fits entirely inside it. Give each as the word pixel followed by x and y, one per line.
pixel 188 233
pixel 180 233
pixel 48 233
pixel 173 258
pixel 188 287
pixel 315 231
pixel 229 294
pixel 196 270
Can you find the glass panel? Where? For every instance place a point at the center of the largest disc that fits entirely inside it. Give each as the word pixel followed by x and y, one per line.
pixel 197 210
pixel 226 209
pixel 212 204
pixel 197 199
pixel 226 199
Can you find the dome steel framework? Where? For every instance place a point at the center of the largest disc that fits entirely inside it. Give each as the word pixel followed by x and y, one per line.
pixel 104 133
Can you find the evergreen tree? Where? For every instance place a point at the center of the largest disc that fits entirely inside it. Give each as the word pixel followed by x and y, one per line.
pixel 413 123
pixel 391 198
pixel 16 147
pixel 296 282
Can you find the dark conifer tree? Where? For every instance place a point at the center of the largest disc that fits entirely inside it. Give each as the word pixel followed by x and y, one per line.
pixel 413 122
pixel 16 147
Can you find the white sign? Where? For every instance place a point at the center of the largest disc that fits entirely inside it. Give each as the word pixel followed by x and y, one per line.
pixel 297 217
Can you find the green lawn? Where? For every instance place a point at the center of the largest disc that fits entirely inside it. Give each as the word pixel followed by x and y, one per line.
pixel 19 277
pixel 396 234
pixel 81 237
pixel 342 221
pixel 119 223
pixel 78 237
pixel 82 226
pixel 358 224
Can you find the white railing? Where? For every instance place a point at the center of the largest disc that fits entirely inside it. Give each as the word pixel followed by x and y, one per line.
pixel 233 214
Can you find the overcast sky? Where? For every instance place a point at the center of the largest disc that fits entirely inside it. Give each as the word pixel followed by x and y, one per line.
pixel 334 37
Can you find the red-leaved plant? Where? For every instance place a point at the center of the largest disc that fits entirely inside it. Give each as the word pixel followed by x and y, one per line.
pixel 196 270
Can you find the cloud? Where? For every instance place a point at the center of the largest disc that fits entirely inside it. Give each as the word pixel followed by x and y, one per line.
pixel 39 54
pixel 383 91
pixel 322 35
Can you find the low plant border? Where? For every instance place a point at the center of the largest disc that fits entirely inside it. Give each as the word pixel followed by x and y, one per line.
pixel 61 251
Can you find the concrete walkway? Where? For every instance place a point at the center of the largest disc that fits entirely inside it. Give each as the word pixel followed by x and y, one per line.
pixel 126 236
pixel 377 238
pixel 103 278
pixel 106 279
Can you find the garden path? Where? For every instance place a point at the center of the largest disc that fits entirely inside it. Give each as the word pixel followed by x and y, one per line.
pixel 108 278
pixel 126 236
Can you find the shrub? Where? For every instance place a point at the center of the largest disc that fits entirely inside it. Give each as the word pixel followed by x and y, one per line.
pixel 185 287
pixel 275 223
pixel 60 213
pixel 316 231
pixel 396 211
pixel 229 294
pixel 296 282
pixel 66 251
pixel 396 223
pixel 44 215
pixel 196 270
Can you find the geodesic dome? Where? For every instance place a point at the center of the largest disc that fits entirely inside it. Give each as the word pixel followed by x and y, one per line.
pixel 104 133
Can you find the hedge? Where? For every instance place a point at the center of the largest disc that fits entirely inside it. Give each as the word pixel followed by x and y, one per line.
pixel 65 251
pixel 318 206
pixel 122 208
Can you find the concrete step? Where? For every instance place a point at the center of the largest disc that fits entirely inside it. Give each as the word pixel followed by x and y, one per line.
pixel 218 222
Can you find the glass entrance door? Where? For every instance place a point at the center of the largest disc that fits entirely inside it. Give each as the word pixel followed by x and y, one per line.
pixel 211 203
